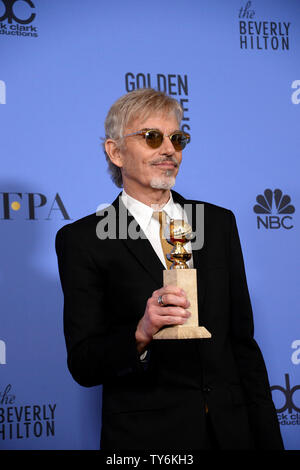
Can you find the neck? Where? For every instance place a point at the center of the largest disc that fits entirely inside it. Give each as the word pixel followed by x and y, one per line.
pixel 150 197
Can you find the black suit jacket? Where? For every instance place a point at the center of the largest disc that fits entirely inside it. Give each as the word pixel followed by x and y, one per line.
pixel 161 404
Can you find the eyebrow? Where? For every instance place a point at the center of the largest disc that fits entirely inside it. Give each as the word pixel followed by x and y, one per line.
pixel 156 129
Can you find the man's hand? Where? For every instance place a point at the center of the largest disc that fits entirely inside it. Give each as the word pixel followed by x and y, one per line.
pixel 173 312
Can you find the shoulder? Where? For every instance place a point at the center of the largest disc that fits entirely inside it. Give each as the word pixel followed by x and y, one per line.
pixel 79 226
pixel 212 211
pixel 80 231
pixel 217 219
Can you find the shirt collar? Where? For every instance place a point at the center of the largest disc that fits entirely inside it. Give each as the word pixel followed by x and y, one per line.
pixel 173 210
pixel 143 213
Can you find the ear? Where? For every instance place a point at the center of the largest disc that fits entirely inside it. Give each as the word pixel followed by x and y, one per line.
pixel 113 151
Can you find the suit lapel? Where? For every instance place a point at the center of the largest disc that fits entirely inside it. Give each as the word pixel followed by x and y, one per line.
pixel 139 247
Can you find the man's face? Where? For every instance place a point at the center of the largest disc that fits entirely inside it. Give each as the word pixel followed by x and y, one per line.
pixel 144 166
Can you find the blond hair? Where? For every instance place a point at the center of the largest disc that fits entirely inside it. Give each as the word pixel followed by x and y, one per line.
pixel 138 103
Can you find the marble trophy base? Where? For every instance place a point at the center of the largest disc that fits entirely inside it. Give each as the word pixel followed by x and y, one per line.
pixel 187 280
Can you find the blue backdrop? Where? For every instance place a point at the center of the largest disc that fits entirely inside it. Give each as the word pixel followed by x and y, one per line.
pixel 235 66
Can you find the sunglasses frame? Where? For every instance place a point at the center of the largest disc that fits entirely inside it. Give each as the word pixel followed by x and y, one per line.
pixel 144 132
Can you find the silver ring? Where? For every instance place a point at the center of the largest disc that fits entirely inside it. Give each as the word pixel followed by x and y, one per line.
pixel 160 300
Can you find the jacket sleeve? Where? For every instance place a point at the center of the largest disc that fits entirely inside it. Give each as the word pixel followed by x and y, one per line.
pixel 248 357
pixel 97 350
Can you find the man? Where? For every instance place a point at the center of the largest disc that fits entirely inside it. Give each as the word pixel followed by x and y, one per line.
pixel 161 394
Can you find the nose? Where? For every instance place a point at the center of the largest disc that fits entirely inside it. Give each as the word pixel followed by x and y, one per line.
pixel 167 147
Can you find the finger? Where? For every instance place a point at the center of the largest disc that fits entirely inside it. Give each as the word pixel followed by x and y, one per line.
pixel 173 311
pixel 172 320
pixel 171 299
pixel 169 290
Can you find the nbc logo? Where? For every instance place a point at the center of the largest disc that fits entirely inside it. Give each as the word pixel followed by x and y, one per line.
pixel 273 206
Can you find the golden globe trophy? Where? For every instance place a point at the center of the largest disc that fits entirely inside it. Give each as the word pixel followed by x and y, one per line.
pixel 178 233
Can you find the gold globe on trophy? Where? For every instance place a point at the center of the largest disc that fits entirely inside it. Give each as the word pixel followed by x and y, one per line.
pixel 179 234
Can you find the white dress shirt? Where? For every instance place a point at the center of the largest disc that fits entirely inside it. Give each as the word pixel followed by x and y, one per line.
pixel 150 225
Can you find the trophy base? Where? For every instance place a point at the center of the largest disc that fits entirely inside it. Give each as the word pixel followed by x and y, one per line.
pixel 187 280
pixel 182 332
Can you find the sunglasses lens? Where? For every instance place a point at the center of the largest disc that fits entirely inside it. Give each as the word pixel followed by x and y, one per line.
pixel 154 139
pixel 179 140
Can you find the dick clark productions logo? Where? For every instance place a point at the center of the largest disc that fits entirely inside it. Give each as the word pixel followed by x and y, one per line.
pixel 17 17
pixel 275 210
pixel 288 412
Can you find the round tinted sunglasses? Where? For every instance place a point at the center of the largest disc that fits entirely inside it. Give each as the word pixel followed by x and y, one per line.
pixel 154 138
